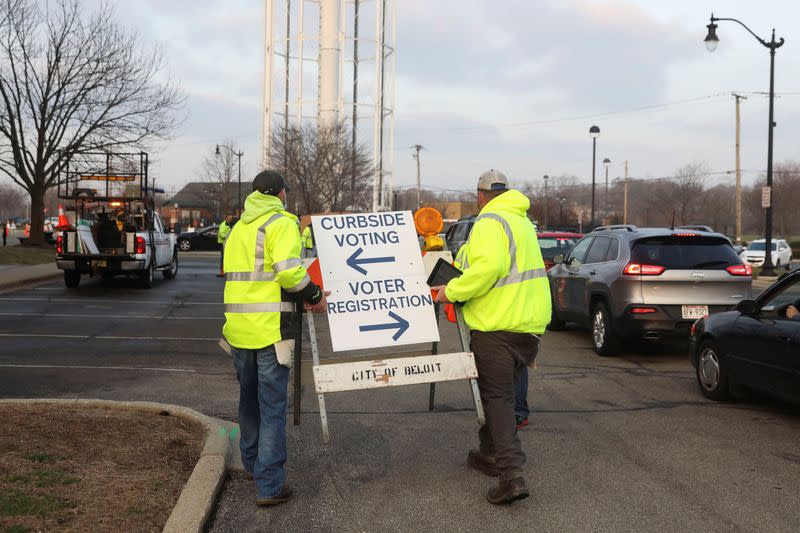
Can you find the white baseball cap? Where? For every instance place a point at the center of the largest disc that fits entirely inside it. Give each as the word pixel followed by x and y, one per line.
pixel 493 180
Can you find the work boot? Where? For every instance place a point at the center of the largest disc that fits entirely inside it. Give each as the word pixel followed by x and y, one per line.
pixel 283 496
pixel 481 463
pixel 508 491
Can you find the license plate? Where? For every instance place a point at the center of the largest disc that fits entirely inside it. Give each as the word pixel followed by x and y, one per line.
pixel 100 263
pixel 694 311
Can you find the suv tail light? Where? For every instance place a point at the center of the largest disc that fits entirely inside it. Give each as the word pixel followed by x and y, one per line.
pixel 740 270
pixel 140 246
pixel 635 269
pixel 59 244
pixel 643 310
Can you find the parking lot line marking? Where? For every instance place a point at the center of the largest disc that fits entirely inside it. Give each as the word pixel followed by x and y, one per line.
pixel 71 315
pixel 108 337
pixel 187 291
pixel 80 300
pixel 84 367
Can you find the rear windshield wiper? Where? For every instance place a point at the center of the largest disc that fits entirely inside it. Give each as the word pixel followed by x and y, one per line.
pixel 711 263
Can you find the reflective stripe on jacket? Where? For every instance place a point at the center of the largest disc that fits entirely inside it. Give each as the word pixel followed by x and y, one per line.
pixel 223 232
pixel 504 285
pixel 262 270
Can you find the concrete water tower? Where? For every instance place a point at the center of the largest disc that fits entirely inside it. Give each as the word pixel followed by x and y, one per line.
pixel 329 60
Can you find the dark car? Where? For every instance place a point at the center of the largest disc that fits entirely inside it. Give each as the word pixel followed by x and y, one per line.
pixel 756 346
pixel 458 233
pixel 205 239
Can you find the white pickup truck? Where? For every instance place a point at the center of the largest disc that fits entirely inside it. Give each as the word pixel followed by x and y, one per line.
pixel 133 244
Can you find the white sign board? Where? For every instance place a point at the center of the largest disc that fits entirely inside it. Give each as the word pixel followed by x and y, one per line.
pixel 393 372
pixel 766 197
pixel 373 267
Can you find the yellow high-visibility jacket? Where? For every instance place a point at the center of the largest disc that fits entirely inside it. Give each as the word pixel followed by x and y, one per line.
pixel 504 285
pixel 223 232
pixel 307 238
pixel 262 271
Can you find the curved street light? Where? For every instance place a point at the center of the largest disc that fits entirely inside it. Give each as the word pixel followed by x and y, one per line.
pixel 711 42
pixel 594 131
pixel 239 155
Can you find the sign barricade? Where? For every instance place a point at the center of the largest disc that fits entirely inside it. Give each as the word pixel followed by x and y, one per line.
pixel 372 265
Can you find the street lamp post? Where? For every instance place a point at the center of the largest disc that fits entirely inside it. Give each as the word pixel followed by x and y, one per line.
pixel 606 163
pixel 594 131
pixel 239 155
pixel 712 41
pixel 545 177
pixel 561 211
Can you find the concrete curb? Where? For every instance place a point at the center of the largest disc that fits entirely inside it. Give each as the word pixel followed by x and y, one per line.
pixel 200 492
pixel 20 283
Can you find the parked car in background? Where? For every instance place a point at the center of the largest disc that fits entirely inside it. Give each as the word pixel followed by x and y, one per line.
pixel 755 346
pixel 781 253
pixel 648 283
pixel 553 243
pixel 458 233
pixel 205 239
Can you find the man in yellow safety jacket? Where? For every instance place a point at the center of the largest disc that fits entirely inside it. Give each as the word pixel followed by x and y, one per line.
pixel 222 233
pixel 307 239
pixel 264 277
pixel 506 304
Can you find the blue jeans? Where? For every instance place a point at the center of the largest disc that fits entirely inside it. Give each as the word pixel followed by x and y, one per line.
pixel 521 394
pixel 262 416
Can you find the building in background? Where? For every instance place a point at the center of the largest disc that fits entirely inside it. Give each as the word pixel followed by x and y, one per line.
pixel 198 204
pixel 331 60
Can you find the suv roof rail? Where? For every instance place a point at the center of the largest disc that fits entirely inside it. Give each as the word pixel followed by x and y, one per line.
pixel 697 227
pixel 626 227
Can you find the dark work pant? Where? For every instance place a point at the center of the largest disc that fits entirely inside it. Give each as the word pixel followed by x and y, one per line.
pixel 500 357
pixel 222 259
pixel 521 395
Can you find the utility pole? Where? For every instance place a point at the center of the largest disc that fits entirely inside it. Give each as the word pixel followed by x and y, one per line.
pixel 625 197
pixel 738 172
pixel 546 177
pixel 415 155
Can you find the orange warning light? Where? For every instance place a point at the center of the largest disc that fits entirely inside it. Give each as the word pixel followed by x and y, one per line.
pixel 428 221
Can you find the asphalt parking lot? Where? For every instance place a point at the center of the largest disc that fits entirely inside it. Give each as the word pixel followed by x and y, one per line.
pixel 617 444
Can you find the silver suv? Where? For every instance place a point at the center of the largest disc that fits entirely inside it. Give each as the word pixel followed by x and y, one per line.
pixel 632 283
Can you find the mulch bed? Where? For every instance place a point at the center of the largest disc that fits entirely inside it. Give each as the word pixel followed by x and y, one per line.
pixel 72 468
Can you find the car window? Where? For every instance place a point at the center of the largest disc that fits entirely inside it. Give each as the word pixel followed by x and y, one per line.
pixel 685 253
pixel 553 246
pixel 211 233
pixel 578 253
pixel 613 250
pixel 597 253
pixel 789 295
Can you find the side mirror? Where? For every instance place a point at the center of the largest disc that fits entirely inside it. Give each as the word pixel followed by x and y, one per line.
pixel 558 259
pixel 747 307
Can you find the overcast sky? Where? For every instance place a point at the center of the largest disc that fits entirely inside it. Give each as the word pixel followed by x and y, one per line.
pixel 512 84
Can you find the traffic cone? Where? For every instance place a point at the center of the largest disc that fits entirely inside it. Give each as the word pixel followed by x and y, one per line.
pixel 63 221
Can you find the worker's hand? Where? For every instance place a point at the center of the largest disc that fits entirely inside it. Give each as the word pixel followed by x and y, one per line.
pixel 321 306
pixel 441 295
pixel 792 312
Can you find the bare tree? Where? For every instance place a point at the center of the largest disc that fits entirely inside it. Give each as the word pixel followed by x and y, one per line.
pixel 326 170
pixel 688 185
pixel 220 171
pixel 72 81
pixel 12 201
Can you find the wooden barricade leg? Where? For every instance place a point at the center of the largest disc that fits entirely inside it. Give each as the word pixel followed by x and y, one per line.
pixel 463 332
pixel 323 413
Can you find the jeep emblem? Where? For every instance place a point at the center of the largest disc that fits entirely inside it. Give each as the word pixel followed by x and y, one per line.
pixel 698 274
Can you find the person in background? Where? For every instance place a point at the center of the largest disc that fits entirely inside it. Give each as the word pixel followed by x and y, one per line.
pixel 222 234
pixel 307 239
pixel 506 299
pixel 5 232
pixel 264 278
pixel 521 409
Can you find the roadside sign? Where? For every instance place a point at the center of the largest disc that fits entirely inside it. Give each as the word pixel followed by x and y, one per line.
pixel 766 197
pixel 373 267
